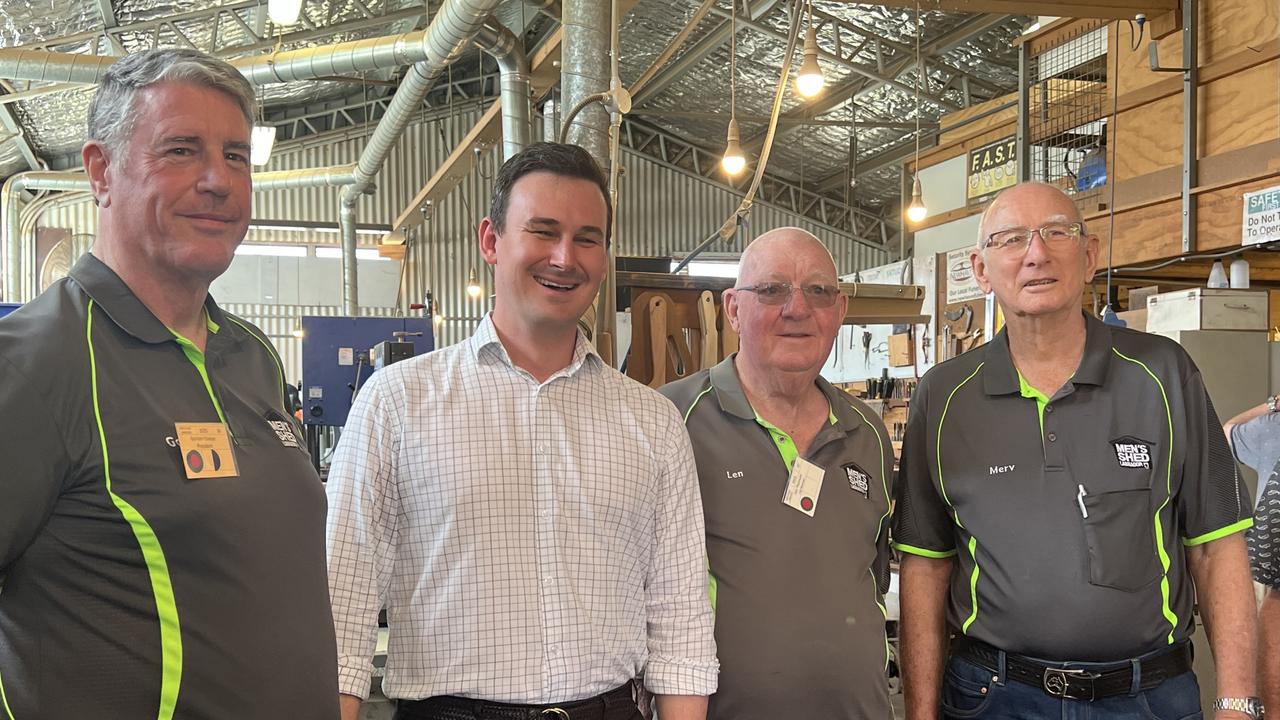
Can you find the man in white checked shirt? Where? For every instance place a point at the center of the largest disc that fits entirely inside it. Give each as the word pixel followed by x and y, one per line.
pixel 530 516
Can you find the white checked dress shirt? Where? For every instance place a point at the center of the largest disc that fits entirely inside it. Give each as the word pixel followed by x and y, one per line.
pixel 534 543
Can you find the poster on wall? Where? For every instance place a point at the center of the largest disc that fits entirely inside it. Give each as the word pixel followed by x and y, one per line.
pixel 992 168
pixel 962 286
pixel 1261 223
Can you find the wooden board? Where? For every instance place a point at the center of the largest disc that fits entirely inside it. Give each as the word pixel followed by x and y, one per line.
pixel 1236 111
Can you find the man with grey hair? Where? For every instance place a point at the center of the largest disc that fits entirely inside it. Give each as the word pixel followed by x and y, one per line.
pixel 1066 498
pixel 161 525
pixel 796 480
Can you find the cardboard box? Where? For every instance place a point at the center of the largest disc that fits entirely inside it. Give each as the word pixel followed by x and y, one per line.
pixel 901 350
pixel 1134 319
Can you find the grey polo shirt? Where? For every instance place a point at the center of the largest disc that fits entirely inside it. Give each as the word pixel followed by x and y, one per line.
pixel 130 591
pixel 1069 515
pixel 800 621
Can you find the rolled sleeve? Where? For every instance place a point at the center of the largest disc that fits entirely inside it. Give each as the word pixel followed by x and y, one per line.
pixel 361 531
pixel 921 523
pixel 1257 443
pixel 1212 499
pixel 681 640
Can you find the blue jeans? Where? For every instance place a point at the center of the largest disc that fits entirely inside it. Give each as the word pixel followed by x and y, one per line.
pixel 970 690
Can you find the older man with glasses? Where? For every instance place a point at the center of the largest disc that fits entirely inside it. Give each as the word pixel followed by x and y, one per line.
pixel 796 480
pixel 1066 497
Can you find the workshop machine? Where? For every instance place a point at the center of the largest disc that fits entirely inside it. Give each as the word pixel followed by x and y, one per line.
pixel 339 354
pixel 6 308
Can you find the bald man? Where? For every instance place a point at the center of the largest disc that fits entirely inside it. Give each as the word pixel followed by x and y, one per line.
pixel 796 478
pixel 1066 498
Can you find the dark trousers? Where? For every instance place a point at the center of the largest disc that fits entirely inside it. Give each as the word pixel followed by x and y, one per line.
pixel 970 690
pixel 617 704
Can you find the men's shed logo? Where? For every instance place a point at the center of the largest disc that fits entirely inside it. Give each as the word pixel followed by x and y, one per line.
pixel 859 481
pixel 1132 452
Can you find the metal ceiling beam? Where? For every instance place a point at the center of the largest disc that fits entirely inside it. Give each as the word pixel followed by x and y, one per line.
pixel 1112 10
pixel 699 52
pixel 784 121
pixel 109 21
pixel 845 63
pixel 857 87
pixel 878 161
pixel 167 30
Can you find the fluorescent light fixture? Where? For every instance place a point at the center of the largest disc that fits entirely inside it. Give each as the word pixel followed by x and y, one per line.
pixel 284 12
pixel 272 250
pixel 710 269
pixel 261 140
pixel 361 253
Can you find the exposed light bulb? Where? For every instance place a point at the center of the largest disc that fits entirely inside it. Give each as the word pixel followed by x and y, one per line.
pixel 916 211
pixel 261 140
pixel 809 80
pixel 733 161
pixel 284 12
pixel 473 285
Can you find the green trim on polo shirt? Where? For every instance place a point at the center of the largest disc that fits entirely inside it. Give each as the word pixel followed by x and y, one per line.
pixel 1220 533
pixel 152 553
pixel 1161 550
pixel 973 540
pixel 1025 389
pixel 923 552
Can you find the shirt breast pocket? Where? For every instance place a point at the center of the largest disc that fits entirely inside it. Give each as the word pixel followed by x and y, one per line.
pixel 1120 531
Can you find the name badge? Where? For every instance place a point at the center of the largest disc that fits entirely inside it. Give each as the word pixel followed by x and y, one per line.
pixel 206 450
pixel 803 487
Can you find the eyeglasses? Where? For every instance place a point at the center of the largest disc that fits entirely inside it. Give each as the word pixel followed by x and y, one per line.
pixel 1015 240
pixel 778 293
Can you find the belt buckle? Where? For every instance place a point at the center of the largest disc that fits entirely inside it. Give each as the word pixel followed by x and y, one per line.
pixel 555 712
pixel 1055 683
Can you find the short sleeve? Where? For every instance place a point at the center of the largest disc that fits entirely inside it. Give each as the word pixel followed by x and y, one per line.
pixel 921 524
pixel 1212 499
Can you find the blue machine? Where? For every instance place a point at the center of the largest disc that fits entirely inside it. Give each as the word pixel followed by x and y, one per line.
pixel 338 358
pixel 6 308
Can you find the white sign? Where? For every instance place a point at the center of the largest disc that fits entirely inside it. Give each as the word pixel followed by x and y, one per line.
pixel 1261 222
pixel 961 285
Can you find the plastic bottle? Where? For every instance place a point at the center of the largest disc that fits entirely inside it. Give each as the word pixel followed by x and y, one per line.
pixel 1240 274
pixel 1217 275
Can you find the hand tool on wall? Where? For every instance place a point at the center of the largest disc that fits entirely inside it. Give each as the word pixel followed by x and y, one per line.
pixel 658 340
pixel 707 324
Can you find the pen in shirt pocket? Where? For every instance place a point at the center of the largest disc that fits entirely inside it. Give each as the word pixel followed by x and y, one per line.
pixel 1080 499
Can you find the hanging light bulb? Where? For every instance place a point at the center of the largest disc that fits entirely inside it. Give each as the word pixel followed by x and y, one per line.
pixel 733 161
pixel 261 140
pixel 284 12
pixel 473 285
pixel 916 211
pixel 809 80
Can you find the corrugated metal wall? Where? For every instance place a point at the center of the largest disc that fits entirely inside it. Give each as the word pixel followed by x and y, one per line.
pixel 662 211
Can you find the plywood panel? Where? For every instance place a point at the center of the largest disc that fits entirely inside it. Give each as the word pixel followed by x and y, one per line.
pixel 1154 232
pixel 1236 111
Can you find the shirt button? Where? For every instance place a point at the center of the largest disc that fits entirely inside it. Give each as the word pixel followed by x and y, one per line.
pixel 781 440
pixel 1053 437
pixel 1048 408
pixel 542 448
pixel 548 580
pixel 545 513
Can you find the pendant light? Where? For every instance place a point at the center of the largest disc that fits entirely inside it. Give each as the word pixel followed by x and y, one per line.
pixel 916 211
pixel 733 161
pixel 809 80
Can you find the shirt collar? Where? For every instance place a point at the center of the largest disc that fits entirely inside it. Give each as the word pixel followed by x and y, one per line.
pixel 124 308
pixel 733 399
pixel 1000 377
pixel 485 341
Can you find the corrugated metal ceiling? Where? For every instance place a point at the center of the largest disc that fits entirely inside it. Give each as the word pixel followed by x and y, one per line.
pixel 53 124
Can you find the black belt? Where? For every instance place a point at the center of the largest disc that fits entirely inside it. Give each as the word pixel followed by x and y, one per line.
pixel 451 707
pixel 1077 683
